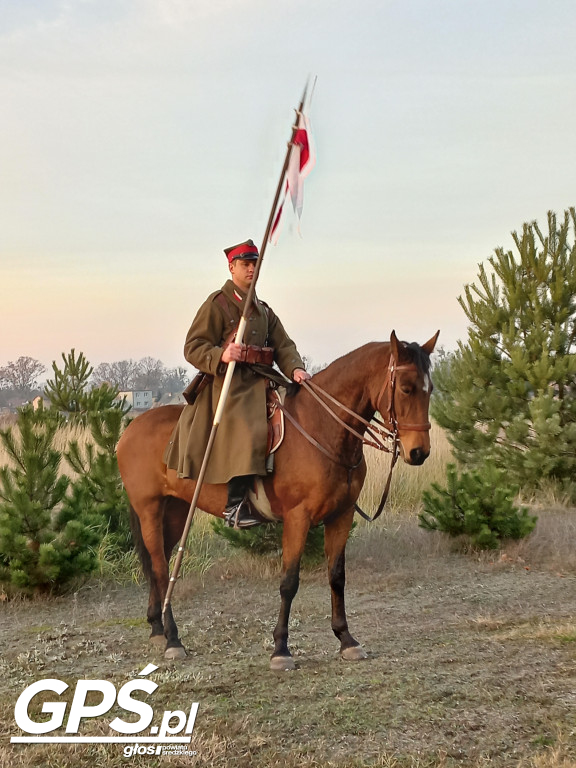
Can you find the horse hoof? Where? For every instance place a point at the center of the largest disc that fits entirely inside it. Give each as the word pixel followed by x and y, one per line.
pixel 355 653
pixel 159 640
pixel 282 663
pixel 176 653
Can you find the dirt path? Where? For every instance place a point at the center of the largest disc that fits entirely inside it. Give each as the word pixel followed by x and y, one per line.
pixel 470 663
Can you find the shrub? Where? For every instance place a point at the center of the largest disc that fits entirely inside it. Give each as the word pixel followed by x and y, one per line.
pixel 266 540
pixel 47 538
pixel 478 504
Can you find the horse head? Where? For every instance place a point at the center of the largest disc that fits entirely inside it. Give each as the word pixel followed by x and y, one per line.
pixel 405 397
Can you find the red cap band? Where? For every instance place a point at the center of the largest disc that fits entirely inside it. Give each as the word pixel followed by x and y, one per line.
pixel 238 251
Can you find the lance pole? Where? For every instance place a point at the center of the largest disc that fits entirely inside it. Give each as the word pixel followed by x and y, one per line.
pixel 231 366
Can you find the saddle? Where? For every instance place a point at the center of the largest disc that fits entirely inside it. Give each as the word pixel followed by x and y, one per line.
pixel 258 499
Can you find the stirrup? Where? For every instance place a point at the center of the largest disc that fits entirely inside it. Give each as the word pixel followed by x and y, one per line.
pixel 240 516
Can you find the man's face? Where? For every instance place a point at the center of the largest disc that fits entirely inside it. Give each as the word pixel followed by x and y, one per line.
pixel 242 271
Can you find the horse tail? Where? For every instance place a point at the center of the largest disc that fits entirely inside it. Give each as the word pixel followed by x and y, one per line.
pixel 139 546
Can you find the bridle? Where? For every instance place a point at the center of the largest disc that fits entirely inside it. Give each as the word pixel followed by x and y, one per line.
pixel 382 435
pixel 390 381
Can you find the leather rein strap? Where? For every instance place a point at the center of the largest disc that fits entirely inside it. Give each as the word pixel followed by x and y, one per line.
pixel 314 442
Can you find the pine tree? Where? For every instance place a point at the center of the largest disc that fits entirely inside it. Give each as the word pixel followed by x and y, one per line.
pixel 509 393
pixel 478 504
pixel 69 390
pixel 99 479
pixel 45 537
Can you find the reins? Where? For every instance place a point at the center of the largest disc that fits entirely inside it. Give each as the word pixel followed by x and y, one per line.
pixel 314 442
pixel 375 431
pixel 378 431
pixel 371 429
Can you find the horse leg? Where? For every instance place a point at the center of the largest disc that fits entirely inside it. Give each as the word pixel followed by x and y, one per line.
pixel 335 537
pixel 154 613
pixel 156 546
pixel 293 542
pixel 155 601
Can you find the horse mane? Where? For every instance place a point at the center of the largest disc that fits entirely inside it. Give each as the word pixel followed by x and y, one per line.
pixel 411 351
pixel 417 356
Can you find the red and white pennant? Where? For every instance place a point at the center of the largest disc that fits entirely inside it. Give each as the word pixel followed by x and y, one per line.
pixel 302 160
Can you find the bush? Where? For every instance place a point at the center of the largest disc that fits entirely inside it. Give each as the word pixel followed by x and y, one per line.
pixel 266 540
pixel 478 504
pixel 47 538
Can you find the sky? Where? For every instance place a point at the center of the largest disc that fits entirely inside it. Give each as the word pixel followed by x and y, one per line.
pixel 139 138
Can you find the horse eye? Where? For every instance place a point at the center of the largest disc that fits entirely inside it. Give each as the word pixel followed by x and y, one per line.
pixel 406 390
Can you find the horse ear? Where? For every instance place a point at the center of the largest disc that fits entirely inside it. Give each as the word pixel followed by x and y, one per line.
pixel 430 344
pixel 395 346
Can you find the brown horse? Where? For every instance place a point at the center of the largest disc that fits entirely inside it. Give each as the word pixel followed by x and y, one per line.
pixel 307 487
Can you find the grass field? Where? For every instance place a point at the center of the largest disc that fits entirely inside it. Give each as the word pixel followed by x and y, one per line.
pixel 471 658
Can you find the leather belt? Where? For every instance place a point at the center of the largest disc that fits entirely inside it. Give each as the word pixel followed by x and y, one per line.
pixel 253 354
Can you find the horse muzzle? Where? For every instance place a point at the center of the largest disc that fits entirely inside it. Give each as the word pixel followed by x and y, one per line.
pixel 417 456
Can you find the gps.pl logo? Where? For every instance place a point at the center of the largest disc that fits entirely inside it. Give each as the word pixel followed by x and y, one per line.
pixel 175 727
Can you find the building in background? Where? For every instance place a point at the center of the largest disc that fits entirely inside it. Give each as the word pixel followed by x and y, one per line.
pixel 140 399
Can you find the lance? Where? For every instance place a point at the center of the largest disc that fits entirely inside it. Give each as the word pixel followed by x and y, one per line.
pixel 231 365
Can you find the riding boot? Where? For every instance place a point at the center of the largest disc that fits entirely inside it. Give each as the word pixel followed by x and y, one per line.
pixel 239 513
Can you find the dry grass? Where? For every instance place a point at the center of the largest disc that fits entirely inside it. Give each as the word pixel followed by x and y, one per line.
pixel 551 545
pixel 391 540
pixel 407 484
pixel 61 442
pixel 7 420
pixel 469 665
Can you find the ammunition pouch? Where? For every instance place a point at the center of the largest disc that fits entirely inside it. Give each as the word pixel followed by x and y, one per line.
pixel 261 355
pixel 196 386
pixel 252 355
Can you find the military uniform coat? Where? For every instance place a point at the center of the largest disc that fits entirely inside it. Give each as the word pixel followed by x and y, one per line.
pixel 240 444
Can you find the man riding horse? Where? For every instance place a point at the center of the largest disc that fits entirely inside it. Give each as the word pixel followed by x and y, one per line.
pixel 239 451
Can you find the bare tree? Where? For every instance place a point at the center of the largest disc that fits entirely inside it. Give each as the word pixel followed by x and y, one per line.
pixel 151 374
pixel 311 366
pixel 21 375
pixel 175 379
pixel 121 374
pixel 102 374
pixel 147 373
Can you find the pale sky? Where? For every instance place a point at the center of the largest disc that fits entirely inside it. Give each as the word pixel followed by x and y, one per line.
pixel 139 138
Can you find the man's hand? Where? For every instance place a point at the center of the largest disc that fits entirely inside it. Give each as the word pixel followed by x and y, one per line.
pixel 300 375
pixel 233 352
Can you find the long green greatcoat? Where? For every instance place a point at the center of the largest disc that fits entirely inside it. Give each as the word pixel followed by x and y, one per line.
pixel 240 444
